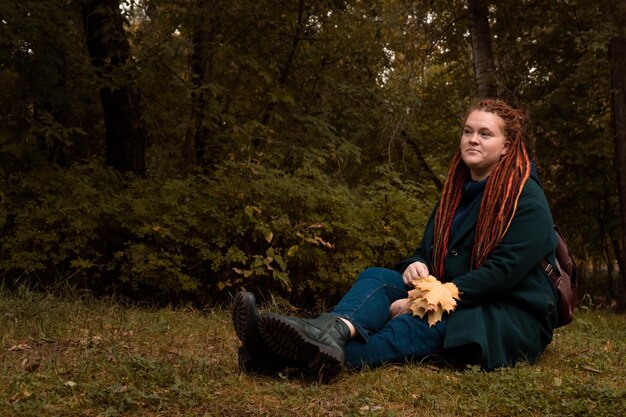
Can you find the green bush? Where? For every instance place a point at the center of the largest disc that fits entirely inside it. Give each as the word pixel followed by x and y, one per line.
pixel 301 235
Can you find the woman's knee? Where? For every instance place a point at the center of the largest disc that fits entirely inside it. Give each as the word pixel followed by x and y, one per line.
pixel 384 275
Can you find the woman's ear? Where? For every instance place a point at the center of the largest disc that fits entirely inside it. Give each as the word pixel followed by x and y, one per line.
pixel 505 148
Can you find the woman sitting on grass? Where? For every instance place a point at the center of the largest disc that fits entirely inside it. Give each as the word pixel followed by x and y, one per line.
pixel 487 235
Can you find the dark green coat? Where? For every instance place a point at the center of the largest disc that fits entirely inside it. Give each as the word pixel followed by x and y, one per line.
pixel 507 308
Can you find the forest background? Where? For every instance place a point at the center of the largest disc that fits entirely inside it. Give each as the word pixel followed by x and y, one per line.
pixel 177 150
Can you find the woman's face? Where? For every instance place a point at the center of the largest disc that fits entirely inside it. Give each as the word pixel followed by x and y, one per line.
pixel 483 143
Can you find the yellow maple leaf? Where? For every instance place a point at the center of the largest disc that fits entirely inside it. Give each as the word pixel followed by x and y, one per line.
pixel 420 307
pixel 434 316
pixel 415 293
pixel 425 283
pixel 454 294
pixel 431 296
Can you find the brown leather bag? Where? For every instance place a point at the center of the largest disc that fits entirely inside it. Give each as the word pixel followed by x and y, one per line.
pixel 565 276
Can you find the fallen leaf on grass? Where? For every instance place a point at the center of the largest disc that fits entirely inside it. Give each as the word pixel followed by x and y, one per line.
pixel 590 369
pixel 30 367
pixel 119 389
pixel 19 346
pixel 20 395
pixel 371 408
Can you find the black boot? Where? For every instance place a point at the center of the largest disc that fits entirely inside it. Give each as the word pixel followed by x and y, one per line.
pixel 317 342
pixel 254 355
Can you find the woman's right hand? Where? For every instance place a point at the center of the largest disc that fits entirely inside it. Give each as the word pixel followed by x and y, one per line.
pixel 414 271
pixel 400 306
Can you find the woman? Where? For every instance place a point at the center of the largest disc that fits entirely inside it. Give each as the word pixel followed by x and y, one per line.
pixel 488 233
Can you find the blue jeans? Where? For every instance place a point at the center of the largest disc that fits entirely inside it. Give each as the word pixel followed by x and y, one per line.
pixel 366 306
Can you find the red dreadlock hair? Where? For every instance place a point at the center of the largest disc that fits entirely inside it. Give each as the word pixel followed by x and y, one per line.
pixel 502 191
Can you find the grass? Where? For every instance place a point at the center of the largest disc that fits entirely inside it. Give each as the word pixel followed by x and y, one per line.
pixel 84 357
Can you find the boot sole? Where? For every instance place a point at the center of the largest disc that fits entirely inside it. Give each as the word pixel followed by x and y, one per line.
pixel 285 339
pixel 254 356
pixel 244 316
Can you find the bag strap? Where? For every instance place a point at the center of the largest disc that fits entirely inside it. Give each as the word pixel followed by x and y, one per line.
pixel 549 269
pixel 553 271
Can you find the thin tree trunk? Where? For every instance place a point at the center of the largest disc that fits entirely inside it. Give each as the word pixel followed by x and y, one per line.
pixel 484 66
pixel 197 143
pixel 422 161
pixel 286 67
pixel 617 56
pixel 617 249
pixel 606 239
pixel 109 51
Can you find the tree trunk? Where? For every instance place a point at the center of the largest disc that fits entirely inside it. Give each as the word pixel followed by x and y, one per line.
pixel 286 67
pixel 109 50
pixel 484 66
pixel 197 148
pixel 617 56
pixel 422 161
pixel 607 239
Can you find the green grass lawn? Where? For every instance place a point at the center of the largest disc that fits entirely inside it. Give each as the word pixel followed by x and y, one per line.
pixel 64 357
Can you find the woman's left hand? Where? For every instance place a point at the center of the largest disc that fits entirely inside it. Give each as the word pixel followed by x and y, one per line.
pixel 399 307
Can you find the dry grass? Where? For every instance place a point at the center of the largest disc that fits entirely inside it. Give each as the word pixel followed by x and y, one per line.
pixel 68 357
